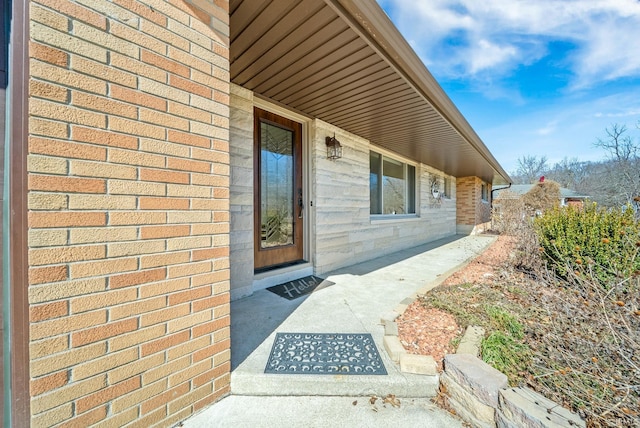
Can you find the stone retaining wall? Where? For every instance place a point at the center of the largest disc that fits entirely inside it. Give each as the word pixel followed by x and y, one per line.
pixel 477 392
pixel 480 395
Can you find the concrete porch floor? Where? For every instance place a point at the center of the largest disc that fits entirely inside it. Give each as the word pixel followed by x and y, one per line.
pixel 361 295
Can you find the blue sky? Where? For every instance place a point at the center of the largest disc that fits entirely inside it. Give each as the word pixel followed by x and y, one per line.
pixel 534 77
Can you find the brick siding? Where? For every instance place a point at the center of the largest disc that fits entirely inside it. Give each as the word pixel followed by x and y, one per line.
pixel 128 210
pixel 471 210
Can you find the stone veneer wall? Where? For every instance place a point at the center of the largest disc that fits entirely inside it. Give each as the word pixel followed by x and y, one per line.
pixel 471 210
pixel 344 231
pixel 128 210
pixel 241 196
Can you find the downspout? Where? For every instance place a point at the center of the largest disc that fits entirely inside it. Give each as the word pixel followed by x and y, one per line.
pixel 499 188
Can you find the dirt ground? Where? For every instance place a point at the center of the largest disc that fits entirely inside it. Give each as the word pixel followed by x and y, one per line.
pixel 430 331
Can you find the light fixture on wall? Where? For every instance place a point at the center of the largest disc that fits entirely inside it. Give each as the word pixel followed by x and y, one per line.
pixel 334 148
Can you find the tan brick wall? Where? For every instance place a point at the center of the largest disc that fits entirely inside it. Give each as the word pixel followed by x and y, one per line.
pixel 129 210
pixel 471 210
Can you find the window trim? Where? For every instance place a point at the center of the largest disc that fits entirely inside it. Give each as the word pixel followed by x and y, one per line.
pixel 416 183
pixel 447 187
pixel 484 192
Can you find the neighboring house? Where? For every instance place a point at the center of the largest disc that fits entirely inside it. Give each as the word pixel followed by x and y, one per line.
pixel 516 191
pixel 167 156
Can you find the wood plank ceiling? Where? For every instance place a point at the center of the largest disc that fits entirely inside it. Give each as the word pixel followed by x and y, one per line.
pixel 315 57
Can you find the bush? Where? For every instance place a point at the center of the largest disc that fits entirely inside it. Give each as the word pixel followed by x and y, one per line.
pixel 542 197
pixel 601 243
pixel 509 213
pixel 512 212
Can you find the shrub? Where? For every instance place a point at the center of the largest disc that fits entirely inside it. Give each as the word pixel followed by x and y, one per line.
pixel 509 213
pixel 512 212
pixel 542 197
pixel 602 243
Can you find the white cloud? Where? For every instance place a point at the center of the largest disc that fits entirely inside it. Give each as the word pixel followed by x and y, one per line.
pixel 567 128
pixel 485 54
pixel 471 38
pixel 549 128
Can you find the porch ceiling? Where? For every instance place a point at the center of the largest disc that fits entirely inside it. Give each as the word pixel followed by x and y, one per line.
pixel 344 62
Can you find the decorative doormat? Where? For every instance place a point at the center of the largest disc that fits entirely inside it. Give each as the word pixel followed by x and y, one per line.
pixel 300 287
pixel 325 353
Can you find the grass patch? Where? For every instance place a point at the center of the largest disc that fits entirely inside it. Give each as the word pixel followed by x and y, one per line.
pixel 505 321
pixel 506 353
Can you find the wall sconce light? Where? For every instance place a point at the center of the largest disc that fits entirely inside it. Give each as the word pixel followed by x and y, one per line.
pixel 334 148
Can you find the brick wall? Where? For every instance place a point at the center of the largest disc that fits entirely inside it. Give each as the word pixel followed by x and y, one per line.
pixel 128 210
pixel 471 210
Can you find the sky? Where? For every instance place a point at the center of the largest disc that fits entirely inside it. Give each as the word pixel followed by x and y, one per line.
pixel 532 77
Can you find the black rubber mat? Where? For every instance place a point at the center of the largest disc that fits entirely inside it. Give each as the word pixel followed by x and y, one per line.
pixel 300 287
pixel 325 353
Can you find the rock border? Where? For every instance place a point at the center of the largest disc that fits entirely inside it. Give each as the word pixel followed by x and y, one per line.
pixel 477 392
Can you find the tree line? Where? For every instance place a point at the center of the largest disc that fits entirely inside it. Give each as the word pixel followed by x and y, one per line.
pixel 612 182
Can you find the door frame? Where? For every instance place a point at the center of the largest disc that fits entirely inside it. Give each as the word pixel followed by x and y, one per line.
pixel 270 258
pixel 307 150
pixel 16 388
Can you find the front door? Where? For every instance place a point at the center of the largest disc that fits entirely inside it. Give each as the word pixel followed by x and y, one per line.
pixel 278 197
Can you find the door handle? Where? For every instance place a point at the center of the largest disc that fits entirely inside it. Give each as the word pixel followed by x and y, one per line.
pixel 300 203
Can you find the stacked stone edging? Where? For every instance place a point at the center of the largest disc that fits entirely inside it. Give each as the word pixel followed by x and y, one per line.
pixel 477 392
pixel 472 387
pixel 480 394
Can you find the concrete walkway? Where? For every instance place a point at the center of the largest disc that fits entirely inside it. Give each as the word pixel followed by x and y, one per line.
pixel 361 295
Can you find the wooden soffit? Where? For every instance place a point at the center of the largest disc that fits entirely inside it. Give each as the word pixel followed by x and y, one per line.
pixel 344 62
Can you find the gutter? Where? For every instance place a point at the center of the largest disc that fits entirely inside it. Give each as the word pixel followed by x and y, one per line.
pixel 499 188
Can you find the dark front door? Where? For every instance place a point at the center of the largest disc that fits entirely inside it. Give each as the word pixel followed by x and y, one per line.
pixel 278 197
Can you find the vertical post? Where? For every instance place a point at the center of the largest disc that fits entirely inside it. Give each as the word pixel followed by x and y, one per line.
pixel 20 414
pixel 4 46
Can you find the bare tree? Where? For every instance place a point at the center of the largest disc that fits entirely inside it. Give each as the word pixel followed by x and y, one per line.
pixel 622 172
pixel 570 173
pixel 530 168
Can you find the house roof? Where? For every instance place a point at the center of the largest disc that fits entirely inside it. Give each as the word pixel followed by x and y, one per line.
pixel 521 189
pixel 344 62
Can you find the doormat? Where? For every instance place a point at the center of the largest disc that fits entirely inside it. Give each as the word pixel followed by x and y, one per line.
pixel 300 287
pixel 325 353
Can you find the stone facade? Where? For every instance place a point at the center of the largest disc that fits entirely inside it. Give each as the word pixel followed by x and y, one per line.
pixel 473 212
pixel 241 191
pixel 128 210
pixel 344 231
pixel 341 229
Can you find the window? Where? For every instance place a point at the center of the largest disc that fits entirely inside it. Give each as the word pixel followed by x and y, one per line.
pixel 447 187
pixel 485 192
pixel 392 185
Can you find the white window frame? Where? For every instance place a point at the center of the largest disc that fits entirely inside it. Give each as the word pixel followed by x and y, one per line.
pixel 384 154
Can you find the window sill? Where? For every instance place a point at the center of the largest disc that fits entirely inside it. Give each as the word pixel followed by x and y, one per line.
pixel 386 218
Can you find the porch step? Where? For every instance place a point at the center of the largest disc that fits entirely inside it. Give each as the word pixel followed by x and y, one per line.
pixel 406 385
pixel 270 278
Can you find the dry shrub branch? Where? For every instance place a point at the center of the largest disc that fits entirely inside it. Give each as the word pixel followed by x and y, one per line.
pixel 582 329
pixel 585 340
pixel 586 348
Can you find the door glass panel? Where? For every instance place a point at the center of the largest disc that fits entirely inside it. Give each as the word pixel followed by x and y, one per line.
pixel 394 187
pixel 277 173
